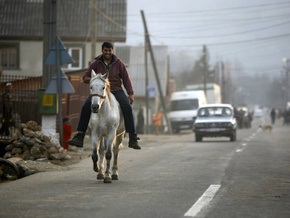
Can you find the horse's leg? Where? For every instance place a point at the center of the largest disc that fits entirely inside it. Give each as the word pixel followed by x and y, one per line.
pixel 110 141
pixel 101 152
pixel 116 149
pixel 94 152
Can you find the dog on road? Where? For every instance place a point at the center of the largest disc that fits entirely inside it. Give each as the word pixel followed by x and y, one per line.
pixel 266 127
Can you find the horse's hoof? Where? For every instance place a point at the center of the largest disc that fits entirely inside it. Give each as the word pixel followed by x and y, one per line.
pixel 100 176
pixel 96 168
pixel 115 177
pixel 107 180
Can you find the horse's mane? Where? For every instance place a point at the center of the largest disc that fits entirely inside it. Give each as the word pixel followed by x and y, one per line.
pixel 108 88
pixel 107 84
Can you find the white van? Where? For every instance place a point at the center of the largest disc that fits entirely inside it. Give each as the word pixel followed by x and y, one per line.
pixel 183 109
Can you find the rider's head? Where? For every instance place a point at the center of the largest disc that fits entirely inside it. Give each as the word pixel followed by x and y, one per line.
pixel 107 45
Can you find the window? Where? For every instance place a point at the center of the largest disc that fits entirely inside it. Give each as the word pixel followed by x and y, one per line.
pixel 9 56
pixel 77 55
pixel 215 112
pixel 184 104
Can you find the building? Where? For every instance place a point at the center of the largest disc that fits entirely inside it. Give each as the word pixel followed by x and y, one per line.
pixel 134 58
pixel 22 31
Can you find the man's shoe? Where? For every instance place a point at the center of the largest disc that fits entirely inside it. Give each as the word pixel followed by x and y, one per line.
pixel 77 140
pixel 133 141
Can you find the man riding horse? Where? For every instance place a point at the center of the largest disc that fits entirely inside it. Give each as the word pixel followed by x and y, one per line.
pixel 118 76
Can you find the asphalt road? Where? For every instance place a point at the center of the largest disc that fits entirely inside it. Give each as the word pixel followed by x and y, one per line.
pixel 172 176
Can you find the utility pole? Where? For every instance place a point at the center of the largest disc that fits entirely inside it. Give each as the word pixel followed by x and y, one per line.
pixel 204 58
pixel 48 121
pixel 49 34
pixel 287 61
pixel 147 38
pixel 146 85
pixel 223 83
pixel 93 29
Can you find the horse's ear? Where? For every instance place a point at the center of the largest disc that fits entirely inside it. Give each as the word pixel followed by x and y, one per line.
pixel 93 74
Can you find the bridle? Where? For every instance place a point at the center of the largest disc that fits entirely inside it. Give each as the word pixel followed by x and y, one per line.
pixel 98 95
pixel 101 96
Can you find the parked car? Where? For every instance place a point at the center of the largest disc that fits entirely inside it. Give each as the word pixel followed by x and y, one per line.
pixel 215 120
pixel 258 112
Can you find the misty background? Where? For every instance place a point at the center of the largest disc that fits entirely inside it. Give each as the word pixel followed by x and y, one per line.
pixel 249 38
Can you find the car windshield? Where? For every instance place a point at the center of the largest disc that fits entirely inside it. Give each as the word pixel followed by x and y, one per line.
pixel 215 112
pixel 184 104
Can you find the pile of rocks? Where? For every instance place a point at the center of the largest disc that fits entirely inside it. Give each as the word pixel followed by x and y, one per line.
pixel 30 143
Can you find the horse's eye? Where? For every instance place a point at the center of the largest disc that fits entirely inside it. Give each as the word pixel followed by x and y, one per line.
pixel 103 87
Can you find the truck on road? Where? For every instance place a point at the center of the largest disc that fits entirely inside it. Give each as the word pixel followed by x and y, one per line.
pixel 213 92
pixel 183 108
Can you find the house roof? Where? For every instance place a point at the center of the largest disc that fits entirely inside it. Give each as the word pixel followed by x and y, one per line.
pixel 23 19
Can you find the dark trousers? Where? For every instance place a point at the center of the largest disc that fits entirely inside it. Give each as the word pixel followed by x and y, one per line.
pixel 125 107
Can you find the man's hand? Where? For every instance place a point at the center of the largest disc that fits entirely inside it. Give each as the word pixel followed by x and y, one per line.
pixel 87 80
pixel 131 98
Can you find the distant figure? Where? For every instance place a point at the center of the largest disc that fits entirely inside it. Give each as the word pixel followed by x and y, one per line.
pixel 273 116
pixel 140 122
pixel 67 131
pixel 7 111
pixel 157 122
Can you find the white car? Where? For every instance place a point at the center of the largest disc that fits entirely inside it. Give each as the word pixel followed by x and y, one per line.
pixel 215 120
pixel 258 112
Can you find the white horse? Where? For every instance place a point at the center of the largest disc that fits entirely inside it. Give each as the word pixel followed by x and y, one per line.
pixel 107 126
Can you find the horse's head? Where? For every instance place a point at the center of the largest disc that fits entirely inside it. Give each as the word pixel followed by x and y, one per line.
pixel 99 86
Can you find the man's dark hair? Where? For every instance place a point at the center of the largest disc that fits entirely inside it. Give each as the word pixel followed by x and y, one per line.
pixel 107 45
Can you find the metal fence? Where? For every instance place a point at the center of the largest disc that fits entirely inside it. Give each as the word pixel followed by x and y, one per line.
pixel 24 97
pixel 18 102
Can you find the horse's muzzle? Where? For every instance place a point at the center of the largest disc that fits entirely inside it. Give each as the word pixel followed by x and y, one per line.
pixel 95 108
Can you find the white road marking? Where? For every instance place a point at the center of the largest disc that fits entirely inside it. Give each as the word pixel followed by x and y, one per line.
pixel 203 200
pixel 239 150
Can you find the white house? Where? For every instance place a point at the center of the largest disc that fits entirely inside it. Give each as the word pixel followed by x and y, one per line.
pixel 22 31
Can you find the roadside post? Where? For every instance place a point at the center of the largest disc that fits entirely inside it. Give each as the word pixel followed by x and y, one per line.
pixel 59 83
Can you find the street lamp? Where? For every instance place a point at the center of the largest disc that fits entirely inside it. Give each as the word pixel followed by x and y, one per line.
pixel 287 61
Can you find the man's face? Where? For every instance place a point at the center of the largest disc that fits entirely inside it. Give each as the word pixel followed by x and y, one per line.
pixel 107 53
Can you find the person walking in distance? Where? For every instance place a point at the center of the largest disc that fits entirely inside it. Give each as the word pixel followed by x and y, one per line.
pixel 273 116
pixel 157 122
pixel 108 62
pixel 140 122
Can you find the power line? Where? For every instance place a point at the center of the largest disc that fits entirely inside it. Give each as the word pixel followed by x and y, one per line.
pixel 280 4
pixel 224 35
pixel 235 42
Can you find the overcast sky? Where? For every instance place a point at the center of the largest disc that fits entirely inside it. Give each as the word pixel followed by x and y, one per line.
pixel 254 35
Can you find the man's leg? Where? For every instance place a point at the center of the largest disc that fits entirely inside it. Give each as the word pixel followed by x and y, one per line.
pixel 128 118
pixel 78 139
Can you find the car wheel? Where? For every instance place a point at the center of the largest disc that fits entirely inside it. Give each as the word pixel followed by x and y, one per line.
pixel 176 130
pixel 233 137
pixel 198 138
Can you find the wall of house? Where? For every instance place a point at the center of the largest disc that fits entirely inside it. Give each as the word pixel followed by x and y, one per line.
pixel 88 52
pixel 31 58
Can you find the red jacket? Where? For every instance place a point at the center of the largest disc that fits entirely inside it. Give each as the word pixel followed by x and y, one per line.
pixel 118 74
